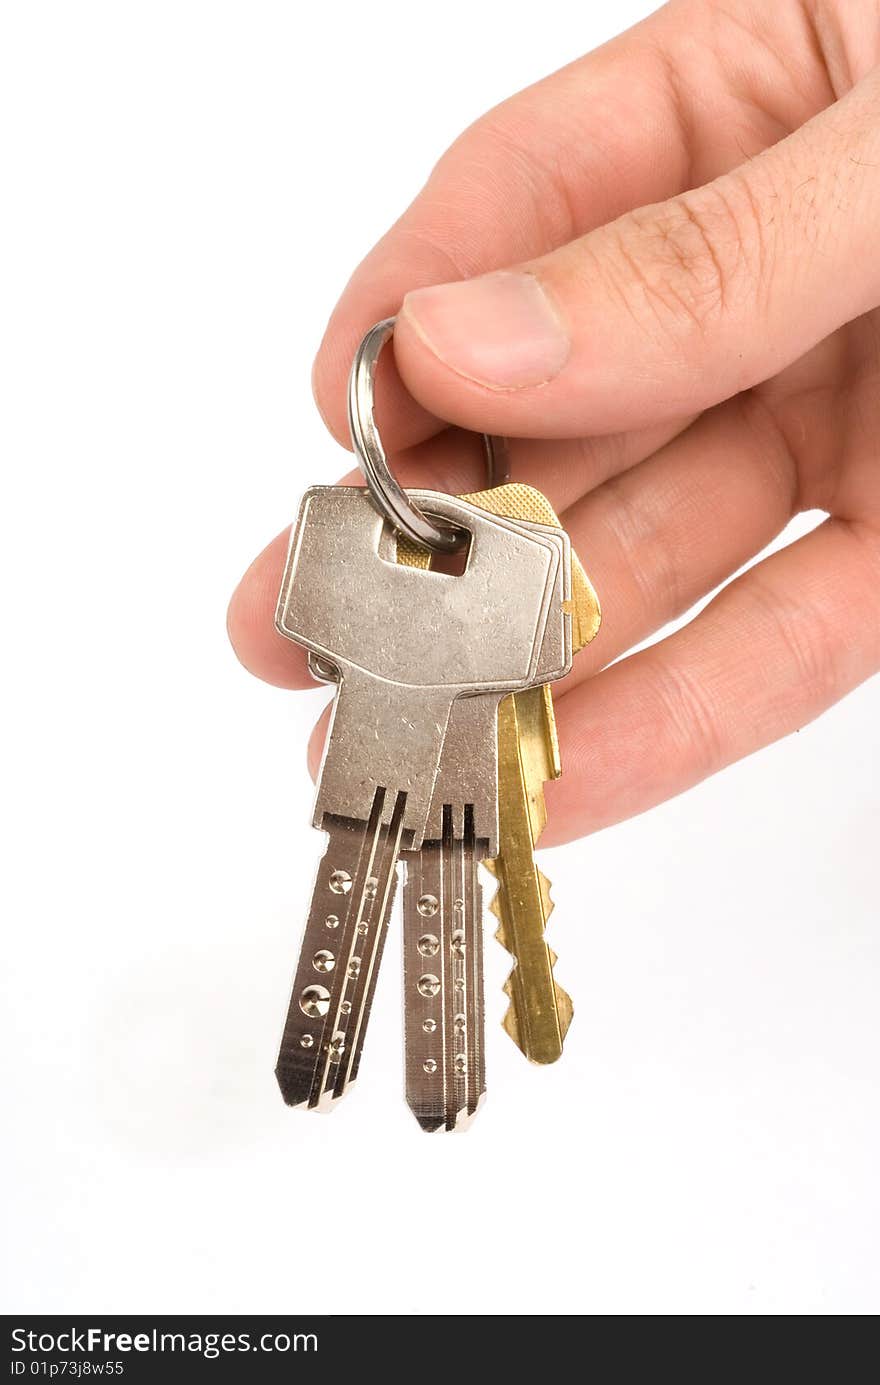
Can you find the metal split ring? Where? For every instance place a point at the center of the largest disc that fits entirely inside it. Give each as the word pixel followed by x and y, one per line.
pixel 388 495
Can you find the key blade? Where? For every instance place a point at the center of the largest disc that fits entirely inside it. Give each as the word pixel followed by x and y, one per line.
pixel 339 958
pixel 443 979
pixel 540 1034
pixel 371 929
pixel 540 1010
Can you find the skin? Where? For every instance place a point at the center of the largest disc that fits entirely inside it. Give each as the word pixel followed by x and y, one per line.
pixel 698 202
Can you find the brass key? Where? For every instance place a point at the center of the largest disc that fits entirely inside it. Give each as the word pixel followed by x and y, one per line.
pixel 540 1011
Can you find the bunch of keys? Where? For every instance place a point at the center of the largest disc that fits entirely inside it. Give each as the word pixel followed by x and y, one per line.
pixel 441 738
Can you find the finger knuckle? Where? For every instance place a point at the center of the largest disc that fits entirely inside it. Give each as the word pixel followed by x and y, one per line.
pixel 685 263
pixel 798 632
pixel 689 719
pixel 645 547
pixel 495 170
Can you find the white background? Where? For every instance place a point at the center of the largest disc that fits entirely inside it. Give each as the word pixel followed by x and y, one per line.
pixel 186 188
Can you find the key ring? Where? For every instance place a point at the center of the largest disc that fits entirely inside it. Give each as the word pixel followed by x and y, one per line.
pixel 388 495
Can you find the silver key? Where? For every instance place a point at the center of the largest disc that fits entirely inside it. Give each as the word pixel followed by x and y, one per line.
pixel 443 979
pixel 403 645
pixel 444 1019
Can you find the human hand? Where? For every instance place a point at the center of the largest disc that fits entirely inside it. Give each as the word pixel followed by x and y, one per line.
pixel 683 347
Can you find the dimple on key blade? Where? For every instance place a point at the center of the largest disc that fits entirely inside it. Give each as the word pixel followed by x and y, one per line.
pixel 443 980
pixel 339 960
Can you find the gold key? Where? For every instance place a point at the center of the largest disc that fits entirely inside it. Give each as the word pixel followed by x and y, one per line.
pixel 540 1011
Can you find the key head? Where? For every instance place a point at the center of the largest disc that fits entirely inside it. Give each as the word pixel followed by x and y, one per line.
pixel 406 643
pixel 352 607
pixel 468 772
pixel 518 501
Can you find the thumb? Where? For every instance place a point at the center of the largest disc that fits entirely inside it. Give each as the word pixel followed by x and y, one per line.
pixel 669 309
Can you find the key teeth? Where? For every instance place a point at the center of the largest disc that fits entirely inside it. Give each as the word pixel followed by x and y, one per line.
pixel 564 1004
pixel 564 1008
pixel 564 1016
pixel 495 907
pixel 545 887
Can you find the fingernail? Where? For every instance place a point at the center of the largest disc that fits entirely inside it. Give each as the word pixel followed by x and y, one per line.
pixel 500 330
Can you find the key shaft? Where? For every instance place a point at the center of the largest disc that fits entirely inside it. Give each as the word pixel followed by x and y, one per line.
pixel 540 1010
pixel 443 978
pixel 339 960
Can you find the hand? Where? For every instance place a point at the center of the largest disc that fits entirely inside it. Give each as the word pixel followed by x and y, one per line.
pixel 658 273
